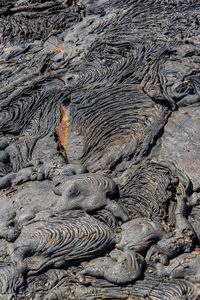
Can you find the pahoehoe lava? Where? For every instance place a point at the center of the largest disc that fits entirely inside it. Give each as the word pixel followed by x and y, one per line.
pixel 99 149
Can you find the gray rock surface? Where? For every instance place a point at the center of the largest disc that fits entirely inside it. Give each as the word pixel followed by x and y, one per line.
pixel 180 142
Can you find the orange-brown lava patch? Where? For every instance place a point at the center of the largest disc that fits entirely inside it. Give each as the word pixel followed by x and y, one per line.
pixel 47 71
pixel 62 129
pixel 49 241
pixel 60 48
pixel 196 250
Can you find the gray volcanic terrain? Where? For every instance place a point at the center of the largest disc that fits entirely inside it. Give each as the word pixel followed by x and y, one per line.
pixel 99 149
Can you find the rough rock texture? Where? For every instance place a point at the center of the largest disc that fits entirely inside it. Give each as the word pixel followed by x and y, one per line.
pixel 99 149
pixel 181 142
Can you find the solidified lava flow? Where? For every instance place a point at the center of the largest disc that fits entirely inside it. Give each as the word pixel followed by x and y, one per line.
pixel 99 149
